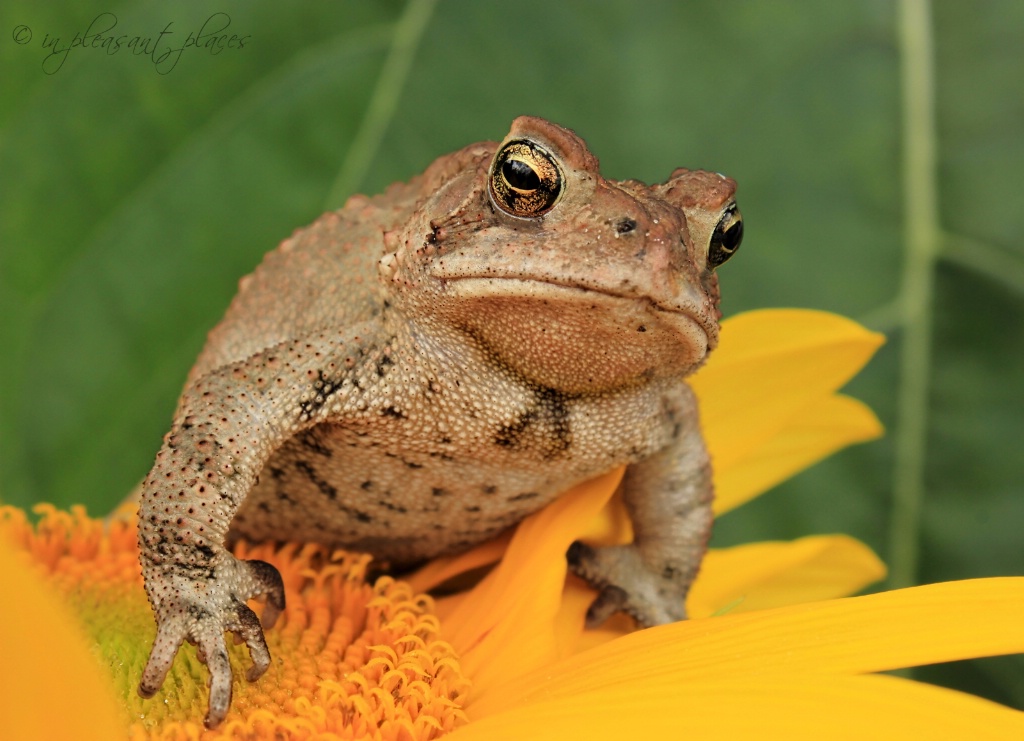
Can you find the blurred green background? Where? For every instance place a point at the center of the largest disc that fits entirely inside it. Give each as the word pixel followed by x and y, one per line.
pixel 133 196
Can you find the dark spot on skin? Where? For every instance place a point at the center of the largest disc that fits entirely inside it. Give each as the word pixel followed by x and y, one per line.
pixel 509 436
pixel 549 415
pixel 412 465
pixel 325 488
pixel 322 390
pixel 195 571
pixel 508 517
pixel 524 496
pixel 445 440
pixel 641 328
pixel 263 506
pixel 311 439
pixel 206 550
pixel 432 238
pixel 490 489
pixel 669 572
pixel 393 507
pixel 365 486
pixel 438 492
pixel 197 613
pixel 383 363
pixel 390 411
pixel 330 492
pixel 473 508
pixel 555 404
pixel 625 226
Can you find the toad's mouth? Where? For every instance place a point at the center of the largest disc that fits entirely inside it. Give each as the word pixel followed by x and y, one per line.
pixel 692 310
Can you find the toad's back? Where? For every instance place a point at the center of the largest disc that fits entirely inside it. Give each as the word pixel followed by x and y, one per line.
pixel 325 274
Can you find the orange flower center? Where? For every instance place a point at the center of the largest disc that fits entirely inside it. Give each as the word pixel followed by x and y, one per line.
pixel 350 658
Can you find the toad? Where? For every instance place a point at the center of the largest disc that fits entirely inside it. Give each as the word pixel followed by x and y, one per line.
pixel 418 371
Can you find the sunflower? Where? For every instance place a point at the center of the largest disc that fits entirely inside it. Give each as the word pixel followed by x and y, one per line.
pixel 773 647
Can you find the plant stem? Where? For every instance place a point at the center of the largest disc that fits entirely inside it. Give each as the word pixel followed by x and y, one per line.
pixel 921 248
pixel 999 265
pixel 383 102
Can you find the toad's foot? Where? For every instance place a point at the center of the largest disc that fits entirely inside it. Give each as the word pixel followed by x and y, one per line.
pixel 200 610
pixel 652 595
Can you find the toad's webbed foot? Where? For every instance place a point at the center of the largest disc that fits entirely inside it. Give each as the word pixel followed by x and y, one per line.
pixel 200 610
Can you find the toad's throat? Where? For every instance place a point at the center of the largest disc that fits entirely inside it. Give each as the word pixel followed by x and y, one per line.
pixel 576 339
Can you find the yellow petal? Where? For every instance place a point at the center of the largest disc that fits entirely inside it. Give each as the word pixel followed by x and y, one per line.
pixel 823 427
pixel 770 365
pixel 750 577
pixel 759 576
pixel 854 708
pixel 442 569
pixel 505 626
pixel 877 632
pixel 51 686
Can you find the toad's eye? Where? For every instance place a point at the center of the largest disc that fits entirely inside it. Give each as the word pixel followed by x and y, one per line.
pixel 726 238
pixel 525 179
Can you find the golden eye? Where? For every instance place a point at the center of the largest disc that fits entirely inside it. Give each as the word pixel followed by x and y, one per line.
pixel 726 238
pixel 525 179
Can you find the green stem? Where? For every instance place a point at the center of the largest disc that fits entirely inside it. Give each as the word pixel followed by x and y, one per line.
pixel 1000 265
pixel 922 243
pixel 886 319
pixel 383 102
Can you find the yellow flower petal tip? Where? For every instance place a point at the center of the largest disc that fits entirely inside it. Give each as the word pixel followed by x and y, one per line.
pixel 760 576
pixel 53 686
pixel 768 332
pixel 822 428
pixel 767 397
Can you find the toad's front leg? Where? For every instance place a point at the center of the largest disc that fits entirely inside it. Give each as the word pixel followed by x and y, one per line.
pixel 228 424
pixel 668 497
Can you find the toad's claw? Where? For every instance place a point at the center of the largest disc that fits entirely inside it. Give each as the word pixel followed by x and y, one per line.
pixel 202 615
pixel 169 637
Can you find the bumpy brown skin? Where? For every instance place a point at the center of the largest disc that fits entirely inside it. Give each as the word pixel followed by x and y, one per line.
pixel 418 371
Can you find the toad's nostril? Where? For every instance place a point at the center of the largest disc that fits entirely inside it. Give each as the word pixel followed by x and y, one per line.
pixel 625 226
